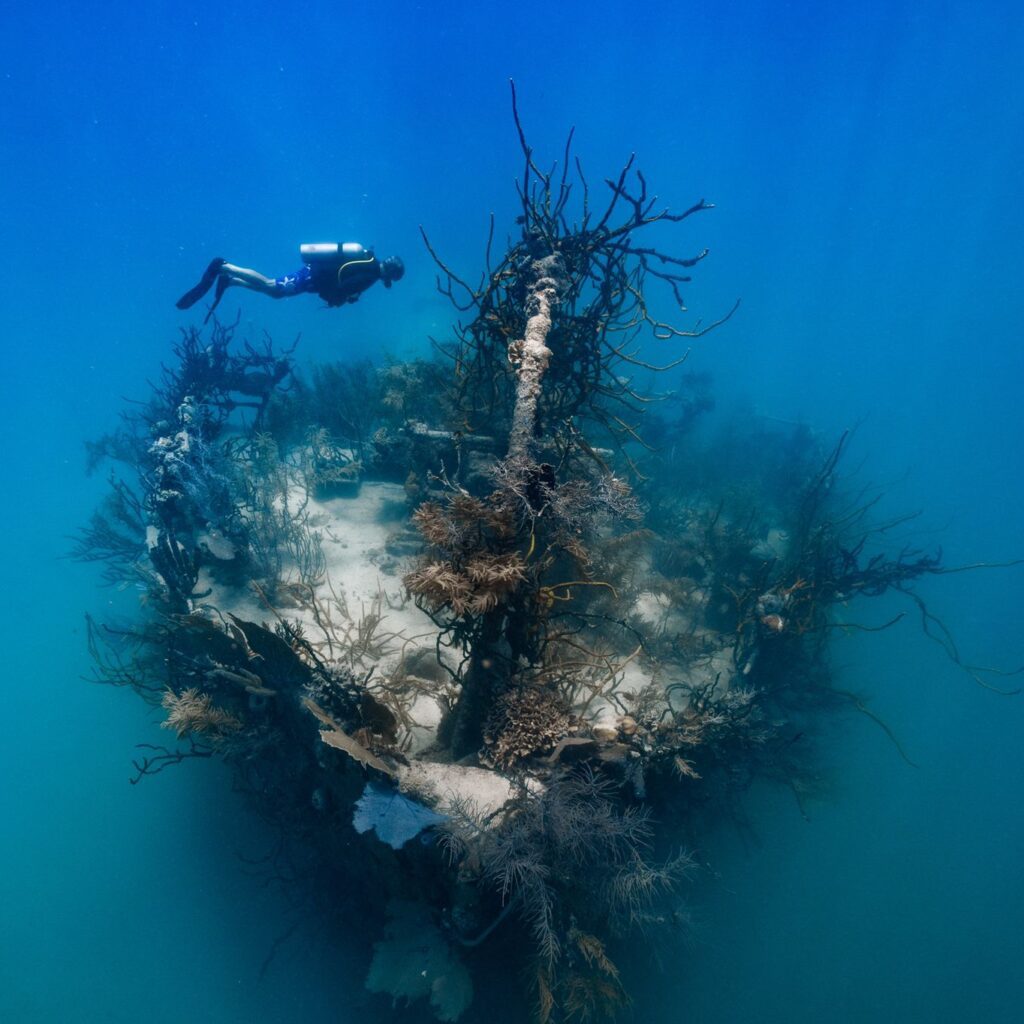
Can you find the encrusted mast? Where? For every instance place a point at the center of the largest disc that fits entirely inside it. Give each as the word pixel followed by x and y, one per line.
pixel 531 356
pixel 557 325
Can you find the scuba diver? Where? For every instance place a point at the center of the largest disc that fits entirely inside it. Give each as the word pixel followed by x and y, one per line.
pixel 338 273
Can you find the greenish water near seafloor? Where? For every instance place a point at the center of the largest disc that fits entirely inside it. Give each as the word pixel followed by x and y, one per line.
pixel 864 162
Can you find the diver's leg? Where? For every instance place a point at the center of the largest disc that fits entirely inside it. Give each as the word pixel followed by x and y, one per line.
pixel 227 274
pixel 276 288
pixel 249 279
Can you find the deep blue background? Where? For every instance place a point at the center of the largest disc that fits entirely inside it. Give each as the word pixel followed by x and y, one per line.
pixel 865 159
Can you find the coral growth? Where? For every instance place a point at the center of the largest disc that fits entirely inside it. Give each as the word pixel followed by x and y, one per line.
pixel 472 589
pixel 194 712
pixel 524 722
pixel 570 856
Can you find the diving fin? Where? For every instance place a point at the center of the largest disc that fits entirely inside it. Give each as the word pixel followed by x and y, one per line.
pixel 222 287
pixel 191 297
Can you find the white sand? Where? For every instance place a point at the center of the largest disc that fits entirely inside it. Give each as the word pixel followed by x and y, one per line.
pixel 364 580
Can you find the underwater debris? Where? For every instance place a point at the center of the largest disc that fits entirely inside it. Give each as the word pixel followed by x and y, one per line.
pixel 333 471
pixel 467 600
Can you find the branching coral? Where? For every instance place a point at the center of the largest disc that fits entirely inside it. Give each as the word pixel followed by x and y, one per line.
pixel 194 712
pixel 477 570
pixel 589 990
pixel 273 506
pixel 116 535
pixel 570 856
pixel 478 587
pixel 591 262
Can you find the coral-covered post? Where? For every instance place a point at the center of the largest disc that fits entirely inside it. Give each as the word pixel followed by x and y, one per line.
pixel 531 356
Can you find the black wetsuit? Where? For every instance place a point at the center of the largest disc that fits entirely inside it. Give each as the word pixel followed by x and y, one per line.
pixel 338 282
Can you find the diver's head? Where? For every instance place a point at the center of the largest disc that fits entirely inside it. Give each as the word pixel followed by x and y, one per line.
pixel 391 269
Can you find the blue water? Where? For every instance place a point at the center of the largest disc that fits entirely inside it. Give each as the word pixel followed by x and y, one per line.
pixel 865 160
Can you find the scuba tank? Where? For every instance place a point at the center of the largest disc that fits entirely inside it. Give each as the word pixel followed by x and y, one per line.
pixel 340 271
pixel 335 252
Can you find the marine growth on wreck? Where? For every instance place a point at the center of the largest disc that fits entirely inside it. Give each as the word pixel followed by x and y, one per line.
pixel 489 637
